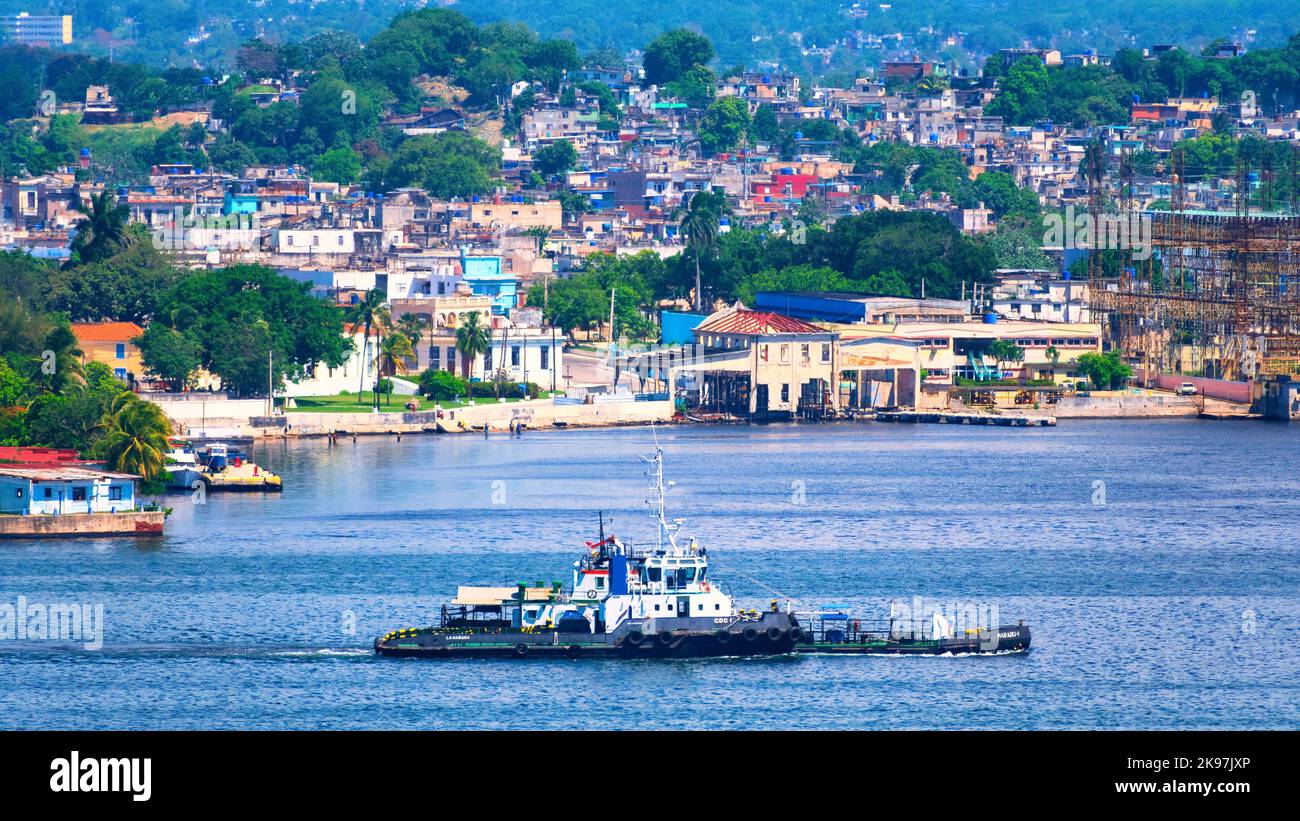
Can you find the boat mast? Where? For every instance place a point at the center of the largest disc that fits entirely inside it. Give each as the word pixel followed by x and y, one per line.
pixel 657 503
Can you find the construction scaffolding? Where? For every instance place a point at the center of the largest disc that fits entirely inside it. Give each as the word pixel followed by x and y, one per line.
pixel 1219 293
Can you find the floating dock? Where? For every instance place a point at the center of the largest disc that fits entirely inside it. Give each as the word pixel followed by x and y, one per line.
pixel 944 418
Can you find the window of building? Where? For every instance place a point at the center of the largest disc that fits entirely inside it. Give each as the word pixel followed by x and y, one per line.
pixel 49 493
pixel 514 356
pixel 826 352
pixel 785 393
pixel 78 494
pixel 546 358
pixel 451 358
pixel 435 357
pixel 115 493
pixel 120 350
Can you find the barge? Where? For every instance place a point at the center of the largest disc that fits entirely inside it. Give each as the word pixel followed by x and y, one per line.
pixel 661 601
pixel 218 466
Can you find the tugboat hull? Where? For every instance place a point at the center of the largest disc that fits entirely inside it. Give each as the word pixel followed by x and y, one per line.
pixel 772 634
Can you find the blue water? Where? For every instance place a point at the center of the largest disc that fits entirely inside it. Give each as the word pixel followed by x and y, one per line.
pixel 1174 604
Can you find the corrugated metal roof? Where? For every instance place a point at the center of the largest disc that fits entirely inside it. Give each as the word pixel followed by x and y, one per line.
pixel 756 322
pixel 61 474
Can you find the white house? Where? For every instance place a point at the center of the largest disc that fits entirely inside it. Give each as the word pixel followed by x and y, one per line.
pixel 327 381
pixel 28 491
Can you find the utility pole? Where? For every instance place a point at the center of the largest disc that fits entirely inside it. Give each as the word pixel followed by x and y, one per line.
pixel 551 359
pixel 611 315
pixel 270 384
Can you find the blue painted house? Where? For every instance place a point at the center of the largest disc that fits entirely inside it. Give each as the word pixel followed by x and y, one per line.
pixel 486 276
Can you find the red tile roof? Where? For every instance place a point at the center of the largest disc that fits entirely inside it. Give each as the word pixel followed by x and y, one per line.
pixel 106 331
pixel 756 322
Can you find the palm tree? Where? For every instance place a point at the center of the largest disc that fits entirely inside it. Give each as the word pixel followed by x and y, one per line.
pixel 472 339
pixel 102 232
pixel 700 225
pixel 369 312
pixel 1053 355
pixel 931 84
pixel 394 350
pixel 411 326
pixel 59 365
pixel 136 441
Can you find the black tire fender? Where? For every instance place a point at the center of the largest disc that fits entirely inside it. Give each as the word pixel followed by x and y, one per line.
pixel 796 634
pixel 749 634
pixel 775 633
pixel 635 638
pixel 666 639
pixel 722 636
pixel 521 650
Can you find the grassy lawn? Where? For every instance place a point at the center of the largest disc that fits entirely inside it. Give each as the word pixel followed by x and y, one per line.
pixel 349 404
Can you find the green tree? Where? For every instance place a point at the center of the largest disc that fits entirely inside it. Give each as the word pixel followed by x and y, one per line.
pixel 1004 350
pixel 473 339
pixel 442 386
pixel 724 125
pixel 1104 370
pixel 341 165
pixel 102 232
pixel 243 313
pixel 136 438
pixel 700 226
pixel 670 55
pixel 369 312
pixel 556 158
pixel 169 354
pixel 394 351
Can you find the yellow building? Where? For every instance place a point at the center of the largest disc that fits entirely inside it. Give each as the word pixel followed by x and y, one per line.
pixel 948 351
pixel 764 365
pixel 111 343
pixel 547 214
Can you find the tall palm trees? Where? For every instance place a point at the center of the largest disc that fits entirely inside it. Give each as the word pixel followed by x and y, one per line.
pixel 472 339
pixel 700 225
pixel 101 232
pixel 136 441
pixel 394 350
pixel 369 312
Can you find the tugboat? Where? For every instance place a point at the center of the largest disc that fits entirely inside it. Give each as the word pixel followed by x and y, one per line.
pixel 657 602
pixel 624 602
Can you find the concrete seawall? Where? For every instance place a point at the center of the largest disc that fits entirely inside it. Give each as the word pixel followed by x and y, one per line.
pixel 498 415
pixel 140 523
pixel 1125 407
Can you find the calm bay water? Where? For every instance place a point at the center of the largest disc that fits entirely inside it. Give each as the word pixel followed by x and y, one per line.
pixel 1173 605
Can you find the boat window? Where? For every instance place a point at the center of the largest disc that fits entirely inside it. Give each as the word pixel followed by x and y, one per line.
pixel 655 574
pixel 685 576
pixel 600 582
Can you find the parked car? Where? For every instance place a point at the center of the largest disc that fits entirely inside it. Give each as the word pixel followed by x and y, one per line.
pixel 1185 389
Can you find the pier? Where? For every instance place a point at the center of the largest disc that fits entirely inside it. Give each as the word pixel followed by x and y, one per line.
pixel 946 418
